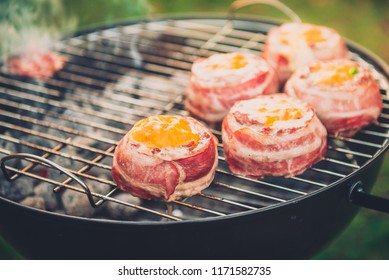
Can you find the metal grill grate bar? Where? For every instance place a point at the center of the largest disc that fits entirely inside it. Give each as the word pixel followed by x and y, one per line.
pixel 61 105
pixel 312 182
pixel 216 213
pixel 42 112
pixel 346 151
pixel 361 142
pixel 94 194
pixel 55 126
pixel 55 139
pixel 328 172
pixel 249 192
pixel 227 201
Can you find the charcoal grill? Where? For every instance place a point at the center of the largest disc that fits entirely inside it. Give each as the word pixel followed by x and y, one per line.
pixel 63 131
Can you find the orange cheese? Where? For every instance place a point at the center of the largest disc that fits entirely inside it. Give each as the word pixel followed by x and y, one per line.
pixel 339 75
pixel 164 131
pixel 236 61
pixel 284 114
pixel 314 35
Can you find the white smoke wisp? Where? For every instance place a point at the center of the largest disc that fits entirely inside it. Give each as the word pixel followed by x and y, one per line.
pixel 32 24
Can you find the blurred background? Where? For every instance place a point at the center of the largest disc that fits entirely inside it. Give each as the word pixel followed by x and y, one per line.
pixel 363 21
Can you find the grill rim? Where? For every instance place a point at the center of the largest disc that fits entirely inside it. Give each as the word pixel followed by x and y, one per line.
pixel 353 46
pixel 119 223
pixel 180 16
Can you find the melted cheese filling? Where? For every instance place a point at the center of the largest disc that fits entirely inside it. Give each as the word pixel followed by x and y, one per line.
pixel 229 62
pixel 164 131
pixel 314 35
pixel 269 113
pixel 311 35
pixel 227 69
pixel 285 114
pixel 334 74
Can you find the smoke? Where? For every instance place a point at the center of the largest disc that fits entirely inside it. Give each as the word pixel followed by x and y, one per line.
pixel 35 24
pixel 31 24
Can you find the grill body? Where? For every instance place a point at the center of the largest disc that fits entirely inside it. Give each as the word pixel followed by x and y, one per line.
pixel 297 230
pixel 289 218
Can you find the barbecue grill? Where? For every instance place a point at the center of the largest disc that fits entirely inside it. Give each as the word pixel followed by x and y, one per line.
pixel 63 131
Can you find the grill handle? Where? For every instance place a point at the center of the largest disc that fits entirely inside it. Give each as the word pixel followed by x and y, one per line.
pixel 50 163
pixel 361 198
pixel 274 3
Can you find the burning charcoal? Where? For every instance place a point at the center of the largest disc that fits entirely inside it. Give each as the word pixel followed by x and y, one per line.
pixel 119 211
pixel 34 201
pixel 37 141
pixel 77 204
pixel 178 213
pixel 16 190
pixel 101 188
pixel 50 198
pixel 74 117
pixel 55 174
pixel 76 150
pixel 7 145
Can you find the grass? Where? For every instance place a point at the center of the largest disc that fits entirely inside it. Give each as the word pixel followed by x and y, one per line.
pixel 7 252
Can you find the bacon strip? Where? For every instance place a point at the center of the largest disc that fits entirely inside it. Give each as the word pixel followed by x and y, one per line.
pixel 342 107
pixel 291 46
pixel 256 150
pixel 164 174
pixel 213 90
